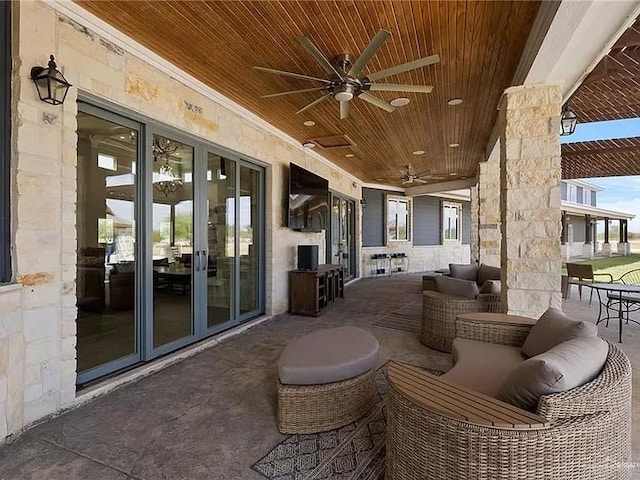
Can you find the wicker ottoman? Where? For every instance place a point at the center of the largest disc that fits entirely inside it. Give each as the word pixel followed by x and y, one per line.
pixel 326 380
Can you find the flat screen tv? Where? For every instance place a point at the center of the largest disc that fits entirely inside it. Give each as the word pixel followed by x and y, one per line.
pixel 308 200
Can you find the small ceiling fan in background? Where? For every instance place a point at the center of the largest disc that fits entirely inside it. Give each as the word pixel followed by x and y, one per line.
pixel 344 81
pixel 409 177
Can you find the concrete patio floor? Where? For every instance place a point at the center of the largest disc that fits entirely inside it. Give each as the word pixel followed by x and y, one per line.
pixel 212 416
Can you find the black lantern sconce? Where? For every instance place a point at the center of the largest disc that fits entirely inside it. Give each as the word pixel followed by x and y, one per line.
pixel 568 121
pixel 51 85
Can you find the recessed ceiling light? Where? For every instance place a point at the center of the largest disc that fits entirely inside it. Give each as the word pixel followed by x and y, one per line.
pixel 453 174
pixel 400 102
pixel 454 145
pixel 309 145
pixel 349 155
pixel 309 123
pixel 455 101
pixel 419 152
pixel 121 137
pixel 379 179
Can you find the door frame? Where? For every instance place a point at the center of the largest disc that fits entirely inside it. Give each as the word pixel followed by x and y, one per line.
pixel 355 247
pixel 139 307
pixel 147 126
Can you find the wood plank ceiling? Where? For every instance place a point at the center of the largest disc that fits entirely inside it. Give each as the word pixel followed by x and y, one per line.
pixel 479 44
pixel 610 92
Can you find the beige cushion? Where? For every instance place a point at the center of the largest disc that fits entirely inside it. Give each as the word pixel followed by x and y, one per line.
pixel 490 286
pixel 485 272
pixel 328 356
pixel 555 327
pixel 481 366
pixel 457 287
pixel 563 367
pixel 463 271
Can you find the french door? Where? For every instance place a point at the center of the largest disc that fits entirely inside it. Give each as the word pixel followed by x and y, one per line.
pixel 170 241
pixel 341 245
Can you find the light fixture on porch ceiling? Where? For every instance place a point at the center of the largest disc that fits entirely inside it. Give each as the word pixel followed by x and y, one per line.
pixel 568 121
pixel 165 181
pixel 51 85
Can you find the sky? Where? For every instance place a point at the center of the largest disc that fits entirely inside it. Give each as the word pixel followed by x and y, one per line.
pixel 621 193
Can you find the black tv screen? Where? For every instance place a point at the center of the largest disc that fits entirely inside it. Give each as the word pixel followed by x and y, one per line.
pixel 308 200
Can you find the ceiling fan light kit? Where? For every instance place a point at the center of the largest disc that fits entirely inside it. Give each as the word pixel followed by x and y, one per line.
pixel 399 102
pixel 419 152
pixel 454 102
pixel 345 81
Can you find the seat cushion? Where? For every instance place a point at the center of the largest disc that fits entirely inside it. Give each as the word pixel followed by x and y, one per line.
pixel 464 271
pixel 553 328
pixel 457 287
pixel 563 367
pixel 481 366
pixel 485 272
pixel 328 356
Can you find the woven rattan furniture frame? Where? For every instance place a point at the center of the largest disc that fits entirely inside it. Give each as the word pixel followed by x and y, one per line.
pixel 317 408
pixel 588 436
pixel 492 327
pixel 439 313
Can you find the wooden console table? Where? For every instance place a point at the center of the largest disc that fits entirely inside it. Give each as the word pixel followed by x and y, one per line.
pixel 311 290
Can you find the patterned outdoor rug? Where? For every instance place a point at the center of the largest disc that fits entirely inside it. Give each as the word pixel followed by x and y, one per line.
pixel 353 452
pixel 406 318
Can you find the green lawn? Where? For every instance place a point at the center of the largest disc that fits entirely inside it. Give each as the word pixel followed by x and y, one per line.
pixel 616 266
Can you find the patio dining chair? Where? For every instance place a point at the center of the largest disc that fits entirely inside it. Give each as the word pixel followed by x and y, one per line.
pixel 582 274
pixel 629 301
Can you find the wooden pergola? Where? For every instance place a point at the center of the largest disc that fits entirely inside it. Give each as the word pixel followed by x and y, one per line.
pixel 610 92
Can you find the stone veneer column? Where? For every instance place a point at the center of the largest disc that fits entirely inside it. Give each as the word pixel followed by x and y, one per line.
pixel 474 234
pixel 489 211
pixel 530 199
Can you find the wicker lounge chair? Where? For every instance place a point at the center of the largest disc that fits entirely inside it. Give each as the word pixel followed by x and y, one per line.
pixel 583 433
pixel 439 312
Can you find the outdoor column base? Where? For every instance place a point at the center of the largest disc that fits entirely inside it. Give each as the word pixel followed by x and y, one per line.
pixel 624 248
pixel 606 249
pixel 587 250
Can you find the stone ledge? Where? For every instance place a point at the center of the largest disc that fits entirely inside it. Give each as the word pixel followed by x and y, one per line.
pixel 10 287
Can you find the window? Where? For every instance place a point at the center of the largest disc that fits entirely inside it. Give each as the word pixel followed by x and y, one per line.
pixel 397 219
pixel 586 197
pixel 451 220
pixel 5 133
pixel 108 162
pixel 572 193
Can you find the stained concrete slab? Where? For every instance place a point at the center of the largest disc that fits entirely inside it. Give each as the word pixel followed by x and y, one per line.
pixel 212 416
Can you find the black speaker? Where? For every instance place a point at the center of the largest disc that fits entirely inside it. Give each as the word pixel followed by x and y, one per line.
pixel 307 257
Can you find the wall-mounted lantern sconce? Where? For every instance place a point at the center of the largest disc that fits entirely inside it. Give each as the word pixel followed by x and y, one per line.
pixel 363 202
pixel 51 85
pixel 568 121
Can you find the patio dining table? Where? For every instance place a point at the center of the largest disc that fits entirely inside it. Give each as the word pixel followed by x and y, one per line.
pixel 610 295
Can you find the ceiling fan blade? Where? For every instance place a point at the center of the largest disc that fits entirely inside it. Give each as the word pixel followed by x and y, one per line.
pixel 293 91
pixel 344 110
pixel 373 47
pixel 396 87
pixel 404 67
pixel 291 74
pixel 378 102
pixel 320 58
pixel 419 180
pixel 314 103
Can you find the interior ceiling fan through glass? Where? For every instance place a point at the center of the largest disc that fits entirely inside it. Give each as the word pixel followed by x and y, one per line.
pixel 345 82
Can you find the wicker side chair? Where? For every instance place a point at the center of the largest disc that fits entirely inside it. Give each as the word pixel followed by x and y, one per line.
pixel 588 434
pixel 439 312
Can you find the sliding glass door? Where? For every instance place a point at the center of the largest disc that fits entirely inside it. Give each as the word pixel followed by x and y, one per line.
pixel 107 211
pixel 170 241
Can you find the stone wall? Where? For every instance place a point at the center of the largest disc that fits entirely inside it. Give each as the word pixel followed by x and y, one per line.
pixel 420 258
pixel 530 199
pixel 37 325
pixel 489 221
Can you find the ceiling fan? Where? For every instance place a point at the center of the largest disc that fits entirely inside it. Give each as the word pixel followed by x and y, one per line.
pixel 344 81
pixel 409 177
